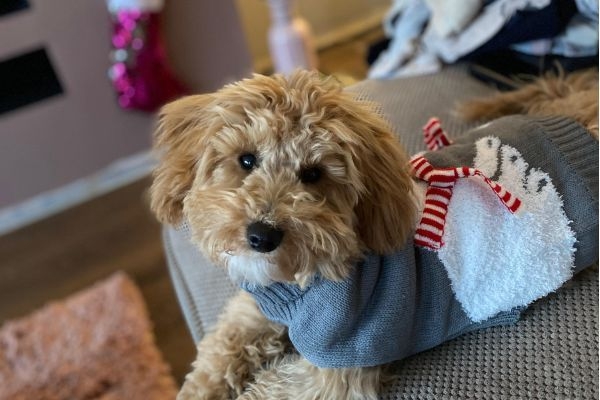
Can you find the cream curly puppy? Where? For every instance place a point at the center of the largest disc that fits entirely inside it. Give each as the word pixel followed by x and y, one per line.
pixel 302 161
pixel 287 182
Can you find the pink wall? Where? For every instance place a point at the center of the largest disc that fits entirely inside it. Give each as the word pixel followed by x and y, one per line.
pixel 53 142
pixel 206 43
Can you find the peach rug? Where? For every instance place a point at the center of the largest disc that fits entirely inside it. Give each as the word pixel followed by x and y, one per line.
pixel 96 344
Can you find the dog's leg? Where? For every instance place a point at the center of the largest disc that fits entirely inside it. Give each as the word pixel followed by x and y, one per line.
pixel 574 96
pixel 242 342
pixel 295 378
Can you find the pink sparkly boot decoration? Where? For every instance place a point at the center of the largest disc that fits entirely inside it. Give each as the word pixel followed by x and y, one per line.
pixel 140 73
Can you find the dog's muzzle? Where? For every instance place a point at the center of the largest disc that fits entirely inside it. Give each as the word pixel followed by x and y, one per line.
pixel 262 237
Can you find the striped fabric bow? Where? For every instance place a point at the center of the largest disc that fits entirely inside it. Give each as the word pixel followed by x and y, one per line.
pixel 437 197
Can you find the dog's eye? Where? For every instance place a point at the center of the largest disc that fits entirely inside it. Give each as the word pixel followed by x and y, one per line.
pixel 247 161
pixel 310 175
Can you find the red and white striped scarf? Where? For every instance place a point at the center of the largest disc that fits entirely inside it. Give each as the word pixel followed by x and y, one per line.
pixel 434 135
pixel 441 181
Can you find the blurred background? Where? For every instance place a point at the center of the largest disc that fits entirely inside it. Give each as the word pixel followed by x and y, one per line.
pixel 61 52
pixel 80 82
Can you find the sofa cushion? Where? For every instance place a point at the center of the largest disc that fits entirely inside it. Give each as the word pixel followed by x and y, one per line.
pixel 551 353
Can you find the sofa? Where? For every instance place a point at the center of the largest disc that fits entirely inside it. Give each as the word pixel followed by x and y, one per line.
pixel 551 353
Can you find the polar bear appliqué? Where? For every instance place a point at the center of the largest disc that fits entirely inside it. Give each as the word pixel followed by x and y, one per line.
pixel 496 260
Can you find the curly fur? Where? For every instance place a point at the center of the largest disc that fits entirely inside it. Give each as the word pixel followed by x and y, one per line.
pixel 574 95
pixel 363 200
pixel 289 124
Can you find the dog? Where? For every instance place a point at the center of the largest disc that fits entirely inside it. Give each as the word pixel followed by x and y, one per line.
pixel 296 188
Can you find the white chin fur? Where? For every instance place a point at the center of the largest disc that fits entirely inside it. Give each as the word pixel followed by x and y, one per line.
pixel 247 268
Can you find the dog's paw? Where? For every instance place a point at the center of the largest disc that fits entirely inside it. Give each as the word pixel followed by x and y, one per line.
pixel 207 383
pixel 248 396
pixel 201 388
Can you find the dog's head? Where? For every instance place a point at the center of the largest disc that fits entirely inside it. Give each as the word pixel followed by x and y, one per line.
pixel 281 178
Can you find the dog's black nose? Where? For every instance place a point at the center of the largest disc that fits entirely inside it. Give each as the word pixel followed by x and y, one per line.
pixel 262 237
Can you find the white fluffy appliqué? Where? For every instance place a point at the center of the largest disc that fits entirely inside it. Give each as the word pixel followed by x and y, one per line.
pixel 496 260
pixel 248 268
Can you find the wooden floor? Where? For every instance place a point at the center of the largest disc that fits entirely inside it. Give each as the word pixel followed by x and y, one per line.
pixel 69 251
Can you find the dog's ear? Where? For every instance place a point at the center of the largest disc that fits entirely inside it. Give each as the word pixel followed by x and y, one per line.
pixel 386 209
pixel 177 141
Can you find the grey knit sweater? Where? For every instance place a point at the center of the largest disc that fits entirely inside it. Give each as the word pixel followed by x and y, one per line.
pixel 492 263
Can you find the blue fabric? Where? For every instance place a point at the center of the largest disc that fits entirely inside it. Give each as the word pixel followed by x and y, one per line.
pixel 529 25
pixel 387 310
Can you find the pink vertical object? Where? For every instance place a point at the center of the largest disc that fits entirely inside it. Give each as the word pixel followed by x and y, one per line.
pixel 140 72
pixel 290 40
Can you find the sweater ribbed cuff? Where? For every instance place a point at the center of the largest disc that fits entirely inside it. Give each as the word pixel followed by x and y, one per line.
pixel 278 301
pixel 578 147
